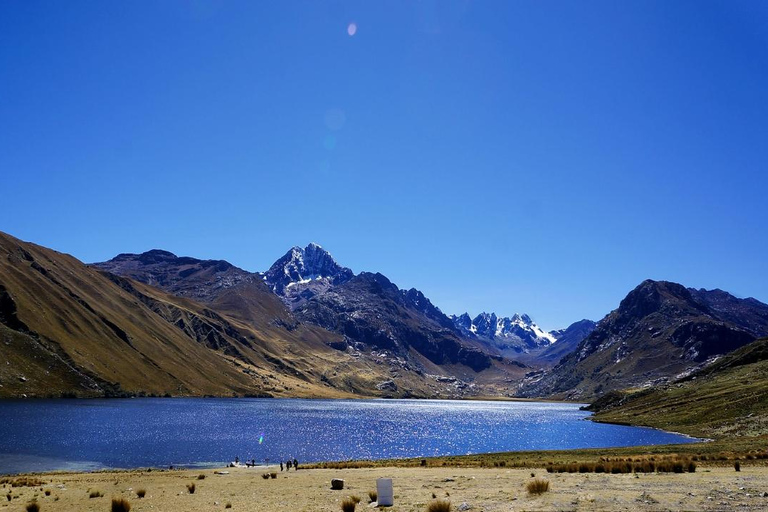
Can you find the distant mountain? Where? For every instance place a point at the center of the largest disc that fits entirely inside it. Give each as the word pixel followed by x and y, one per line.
pixel 510 335
pixel 568 340
pixel 217 283
pixel 660 331
pixel 369 310
pixel 302 273
pixel 356 315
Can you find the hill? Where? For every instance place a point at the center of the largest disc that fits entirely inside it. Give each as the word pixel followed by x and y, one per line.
pixel 728 398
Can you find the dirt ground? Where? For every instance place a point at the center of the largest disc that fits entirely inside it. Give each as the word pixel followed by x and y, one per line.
pixel 476 489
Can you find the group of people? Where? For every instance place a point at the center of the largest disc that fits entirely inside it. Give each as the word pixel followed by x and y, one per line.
pixel 287 467
pixel 290 463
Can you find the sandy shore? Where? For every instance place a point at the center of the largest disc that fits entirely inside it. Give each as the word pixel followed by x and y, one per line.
pixel 498 489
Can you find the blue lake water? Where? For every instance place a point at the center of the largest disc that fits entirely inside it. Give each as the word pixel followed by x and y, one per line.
pixel 43 435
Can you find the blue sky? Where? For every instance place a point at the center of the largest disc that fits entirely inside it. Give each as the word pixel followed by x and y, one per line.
pixel 539 157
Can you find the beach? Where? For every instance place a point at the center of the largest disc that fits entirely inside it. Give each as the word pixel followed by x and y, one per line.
pixel 478 489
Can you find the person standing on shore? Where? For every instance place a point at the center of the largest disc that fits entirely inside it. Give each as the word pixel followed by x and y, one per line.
pixel 281 465
pixel 295 465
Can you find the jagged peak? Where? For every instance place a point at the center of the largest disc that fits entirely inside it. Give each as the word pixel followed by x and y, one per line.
pixel 302 265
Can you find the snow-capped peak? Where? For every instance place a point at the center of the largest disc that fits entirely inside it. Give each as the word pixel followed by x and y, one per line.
pixel 302 265
pixel 518 331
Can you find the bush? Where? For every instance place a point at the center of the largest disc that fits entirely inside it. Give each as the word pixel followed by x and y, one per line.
pixel 95 494
pixel 265 476
pixel 141 493
pixel 348 505
pixel 356 499
pixel 32 506
pixel 201 476
pixel 273 475
pixel 191 488
pixel 439 506
pixel 373 496
pixel 537 486
pixel 120 505
pixel 47 492
pixel 228 505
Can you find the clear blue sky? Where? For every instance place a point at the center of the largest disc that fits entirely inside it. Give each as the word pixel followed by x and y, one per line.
pixel 539 157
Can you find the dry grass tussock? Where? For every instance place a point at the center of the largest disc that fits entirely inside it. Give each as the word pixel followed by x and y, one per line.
pixel 191 488
pixel 32 506
pixel 348 505
pixel 141 493
pixel 439 506
pixel 351 464
pixel 120 505
pixel 537 486
pixel 665 464
pixel 21 481
pixel 373 496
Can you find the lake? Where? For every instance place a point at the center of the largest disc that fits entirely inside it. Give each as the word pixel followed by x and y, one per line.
pixel 44 435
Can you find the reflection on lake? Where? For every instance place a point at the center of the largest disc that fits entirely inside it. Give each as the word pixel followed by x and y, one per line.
pixel 44 435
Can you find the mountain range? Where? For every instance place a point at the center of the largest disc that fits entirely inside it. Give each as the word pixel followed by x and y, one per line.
pixel 661 331
pixel 156 323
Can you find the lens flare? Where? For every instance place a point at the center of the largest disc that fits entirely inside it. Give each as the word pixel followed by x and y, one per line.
pixel 352 29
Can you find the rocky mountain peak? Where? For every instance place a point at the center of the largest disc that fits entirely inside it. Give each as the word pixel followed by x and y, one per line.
pixel 518 333
pixel 302 265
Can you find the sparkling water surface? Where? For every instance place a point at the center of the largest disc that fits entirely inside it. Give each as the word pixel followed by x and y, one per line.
pixel 44 435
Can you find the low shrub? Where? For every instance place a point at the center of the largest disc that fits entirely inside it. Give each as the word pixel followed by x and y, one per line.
pixel 201 476
pixel 120 505
pixel 47 492
pixel 537 486
pixel 95 494
pixel 228 505
pixel 373 496
pixel 21 481
pixel 141 493
pixel 356 499
pixel 191 488
pixel 32 506
pixel 348 505
pixel 439 506
pixel 265 476
pixel 273 475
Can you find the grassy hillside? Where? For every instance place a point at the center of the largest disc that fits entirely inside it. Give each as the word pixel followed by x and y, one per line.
pixel 727 399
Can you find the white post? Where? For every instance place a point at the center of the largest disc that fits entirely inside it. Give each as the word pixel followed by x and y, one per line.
pixel 386 496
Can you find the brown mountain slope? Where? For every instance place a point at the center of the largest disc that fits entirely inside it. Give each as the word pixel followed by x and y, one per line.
pixel 70 329
pixel 66 312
